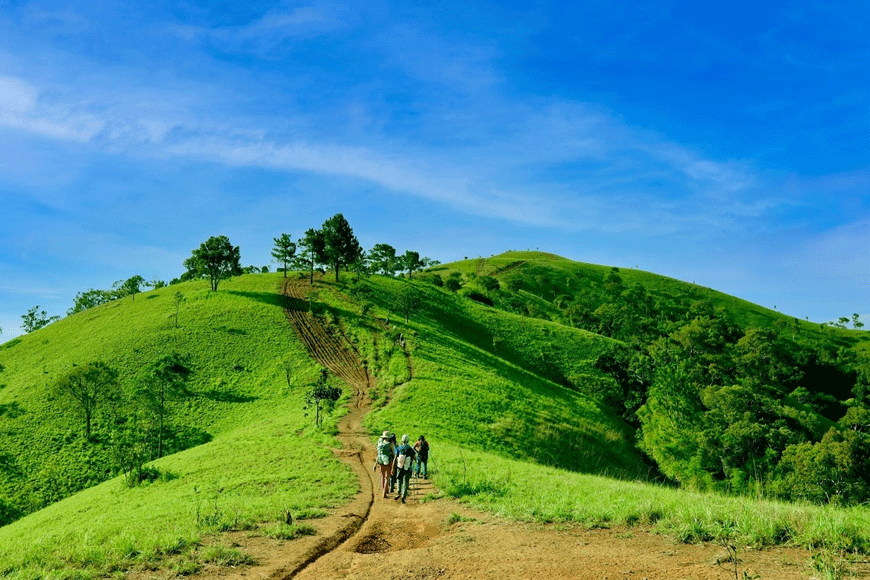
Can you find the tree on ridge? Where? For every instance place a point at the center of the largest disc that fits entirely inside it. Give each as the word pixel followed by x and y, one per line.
pixel 284 251
pixel 215 258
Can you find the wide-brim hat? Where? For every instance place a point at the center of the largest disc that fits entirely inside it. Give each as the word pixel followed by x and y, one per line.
pixel 386 435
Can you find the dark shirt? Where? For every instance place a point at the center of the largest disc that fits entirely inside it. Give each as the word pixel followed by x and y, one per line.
pixel 424 450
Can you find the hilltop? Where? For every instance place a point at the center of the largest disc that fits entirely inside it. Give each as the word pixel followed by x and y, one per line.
pixel 526 362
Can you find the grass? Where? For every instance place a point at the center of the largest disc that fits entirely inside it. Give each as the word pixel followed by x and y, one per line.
pixel 283 531
pixel 465 389
pixel 511 405
pixel 252 475
pixel 522 491
pixel 264 457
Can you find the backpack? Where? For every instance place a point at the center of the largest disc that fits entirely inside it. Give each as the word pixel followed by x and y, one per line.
pixel 385 453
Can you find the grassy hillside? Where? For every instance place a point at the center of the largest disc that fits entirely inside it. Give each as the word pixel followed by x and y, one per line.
pixel 466 388
pixel 482 377
pixel 508 394
pixel 255 467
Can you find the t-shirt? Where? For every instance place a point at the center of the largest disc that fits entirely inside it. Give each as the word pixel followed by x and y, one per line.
pixel 408 452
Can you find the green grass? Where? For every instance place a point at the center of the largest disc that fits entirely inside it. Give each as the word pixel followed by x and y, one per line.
pixel 511 405
pixel 264 458
pixel 493 396
pixel 255 474
pixel 522 491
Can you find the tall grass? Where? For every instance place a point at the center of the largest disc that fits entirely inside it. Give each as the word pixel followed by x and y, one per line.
pixel 522 491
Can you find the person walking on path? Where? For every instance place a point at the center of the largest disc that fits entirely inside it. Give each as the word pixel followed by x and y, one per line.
pixel 422 449
pixel 393 470
pixel 404 461
pixel 384 460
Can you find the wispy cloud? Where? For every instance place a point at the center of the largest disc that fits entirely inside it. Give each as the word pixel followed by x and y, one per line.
pixel 602 159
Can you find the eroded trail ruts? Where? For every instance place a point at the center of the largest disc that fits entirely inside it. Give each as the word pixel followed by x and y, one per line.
pixel 332 350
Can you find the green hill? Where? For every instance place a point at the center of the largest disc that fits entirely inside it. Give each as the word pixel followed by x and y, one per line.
pixel 542 371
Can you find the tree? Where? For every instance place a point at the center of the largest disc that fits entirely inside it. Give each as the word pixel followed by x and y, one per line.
pixel 160 383
pixel 411 262
pixel 834 470
pixel 856 323
pixel 155 283
pixel 312 252
pixel 407 301
pixel 36 319
pixel 87 386
pixel 89 299
pixel 321 395
pixel 217 259
pixel 131 446
pixel 177 299
pixel 489 283
pixel 383 259
pixel 132 286
pixel 340 246
pixel 284 251
pixel 453 282
pixel 360 264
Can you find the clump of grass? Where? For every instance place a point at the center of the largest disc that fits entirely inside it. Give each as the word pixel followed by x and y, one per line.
pixel 283 531
pixel 185 565
pixel 455 518
pixel 310 513
pixel 224 556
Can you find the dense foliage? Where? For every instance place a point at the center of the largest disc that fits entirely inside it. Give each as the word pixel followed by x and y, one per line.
pixel 728 398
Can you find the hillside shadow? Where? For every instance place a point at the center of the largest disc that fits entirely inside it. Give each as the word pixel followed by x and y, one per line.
pixel 233 331
pixel 11 410
pixel 227 396
pixel 11 343
pixel 186 438
pixel 270 298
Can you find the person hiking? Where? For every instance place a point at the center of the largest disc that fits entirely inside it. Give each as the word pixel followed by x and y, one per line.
pixel 404 462
pixel 384 460
pixel 393 469
pixel 422 449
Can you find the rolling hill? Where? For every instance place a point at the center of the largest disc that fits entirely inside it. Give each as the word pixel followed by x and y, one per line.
pixel 509 375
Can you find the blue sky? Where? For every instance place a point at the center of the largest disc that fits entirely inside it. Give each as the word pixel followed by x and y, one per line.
pixel 723 145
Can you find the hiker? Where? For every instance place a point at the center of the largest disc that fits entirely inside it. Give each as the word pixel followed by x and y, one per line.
pixel 422 449
pixel 404 462
pixel 393 469
pixel 385 460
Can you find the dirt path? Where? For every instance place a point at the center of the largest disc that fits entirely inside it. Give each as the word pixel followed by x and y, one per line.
pixel 374 538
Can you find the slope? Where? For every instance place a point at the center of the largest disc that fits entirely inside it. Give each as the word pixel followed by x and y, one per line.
pixel 257 453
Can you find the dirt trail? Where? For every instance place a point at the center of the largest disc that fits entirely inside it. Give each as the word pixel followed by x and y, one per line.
pixel 373 538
